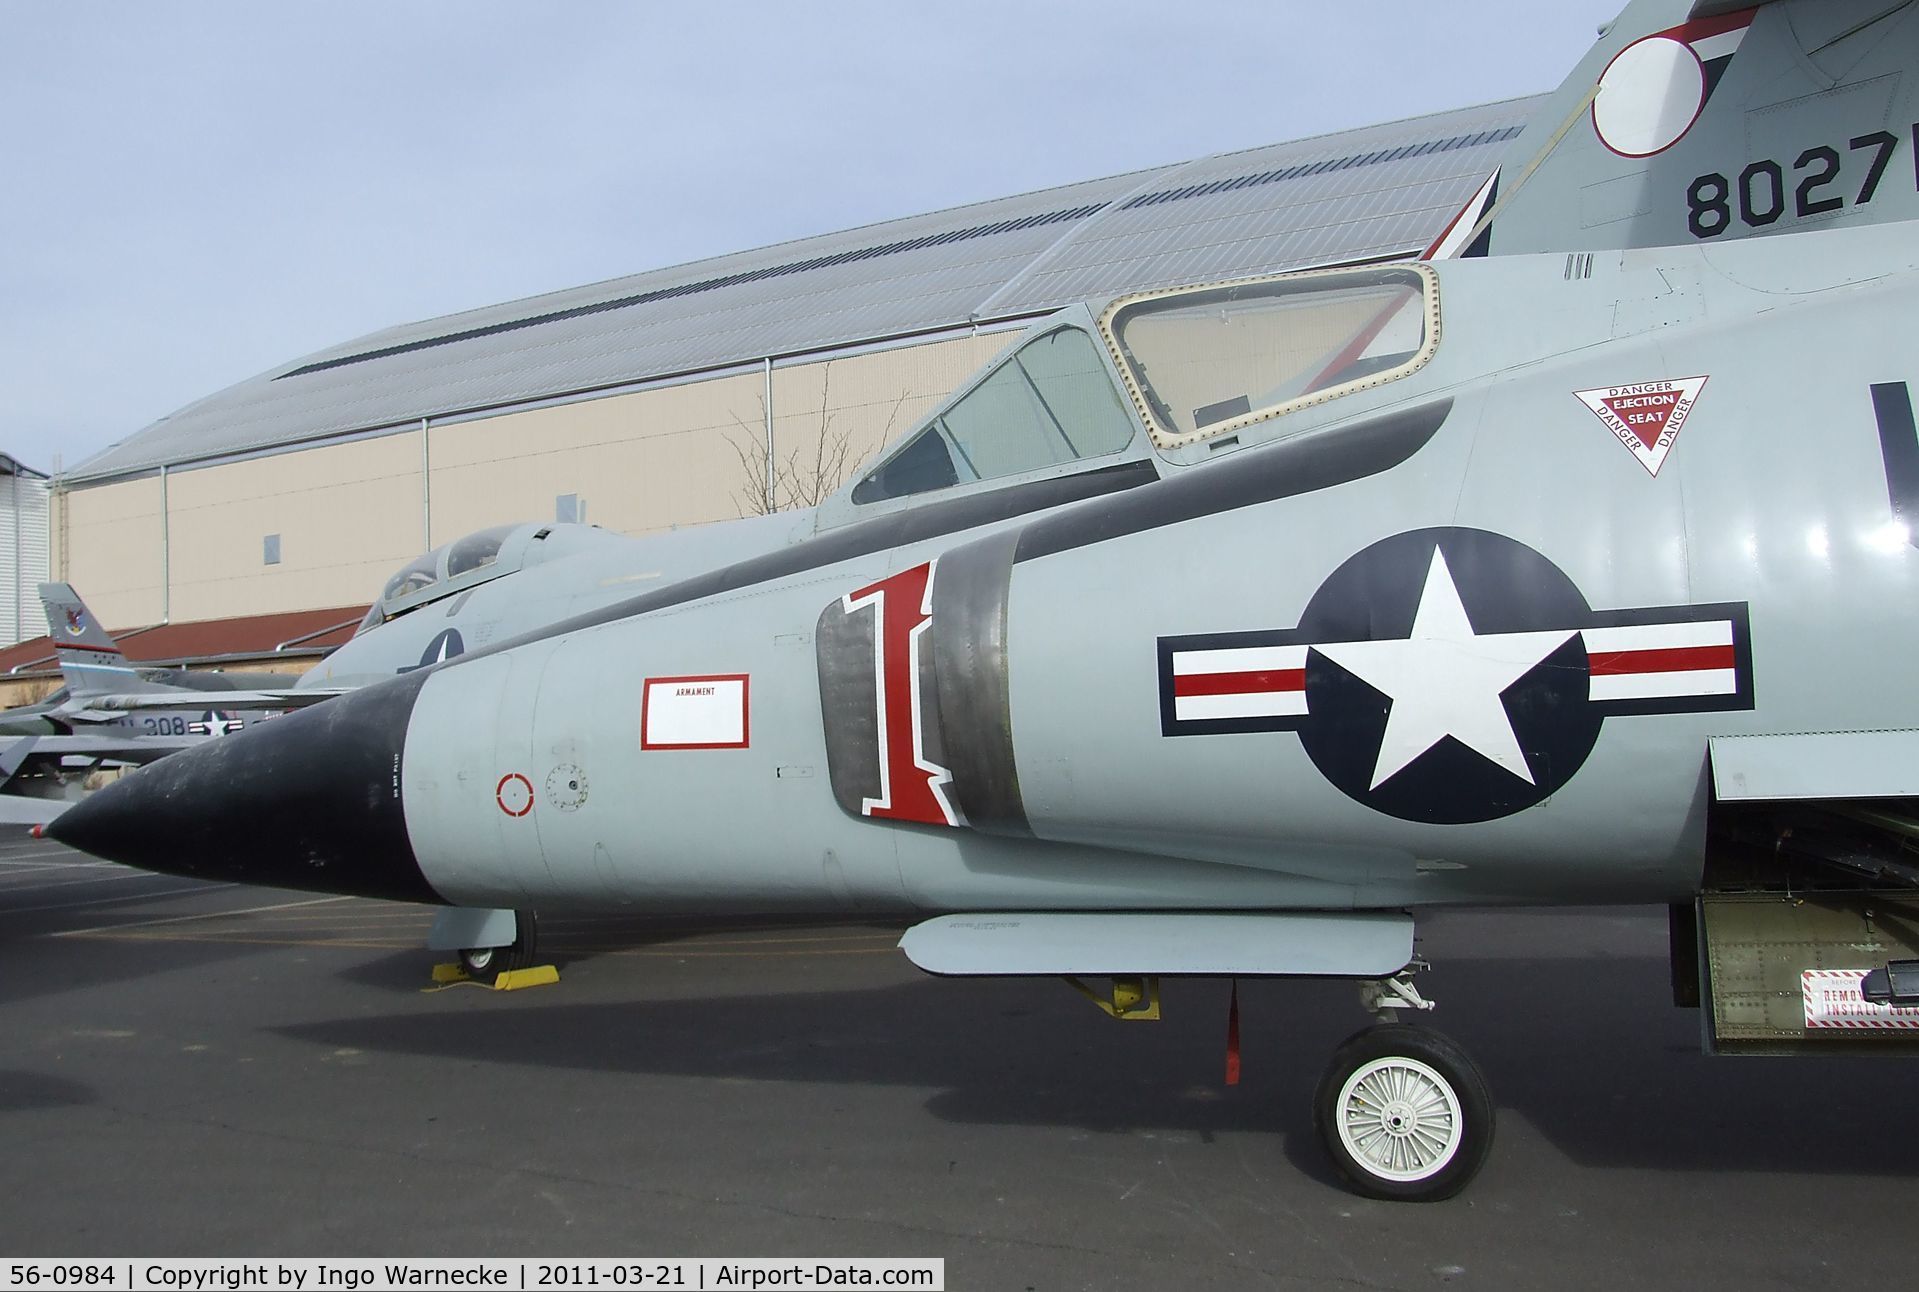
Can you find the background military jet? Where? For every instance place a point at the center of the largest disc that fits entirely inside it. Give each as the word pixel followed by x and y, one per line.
pixel 1224 630
pixel 104 693
pixel 112 714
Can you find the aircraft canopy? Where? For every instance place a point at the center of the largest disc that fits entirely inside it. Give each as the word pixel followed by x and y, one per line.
pixel 1205 361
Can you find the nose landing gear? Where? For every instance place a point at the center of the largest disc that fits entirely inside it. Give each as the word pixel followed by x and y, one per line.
pixel 1403 1112
pixel 484 964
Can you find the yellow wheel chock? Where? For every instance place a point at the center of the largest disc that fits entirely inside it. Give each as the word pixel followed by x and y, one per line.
pixel 451 975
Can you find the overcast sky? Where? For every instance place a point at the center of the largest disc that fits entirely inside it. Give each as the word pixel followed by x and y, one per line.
pixel 194 192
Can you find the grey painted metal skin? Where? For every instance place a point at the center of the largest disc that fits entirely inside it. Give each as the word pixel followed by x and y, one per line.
pixel 1747 509
pixel 457 928
pixel 1123 817
pixel 1050 945
pixel 1498 639
pixel 1805 77
pixel 1816 765
pixel 108 698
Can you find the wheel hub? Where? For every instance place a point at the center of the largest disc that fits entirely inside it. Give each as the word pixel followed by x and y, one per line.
pixel 1399 1118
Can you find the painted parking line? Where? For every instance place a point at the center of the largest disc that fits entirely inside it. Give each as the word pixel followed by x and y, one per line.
pixel 720 953
pixel 61 865
pixel 641 935
pixel 203 915
pixel 376 916
pixel 215 936
pixel 241 937
pixel 109 901
pixel 32 886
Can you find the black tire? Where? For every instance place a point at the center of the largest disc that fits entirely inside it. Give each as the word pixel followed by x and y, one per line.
pixel 487 963
pixel 1404 1114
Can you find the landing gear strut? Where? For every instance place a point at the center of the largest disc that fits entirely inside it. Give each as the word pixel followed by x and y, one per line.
pixel 1402 1111
pixel 485 963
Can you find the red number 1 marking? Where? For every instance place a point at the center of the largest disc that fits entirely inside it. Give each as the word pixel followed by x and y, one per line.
pixel 912 787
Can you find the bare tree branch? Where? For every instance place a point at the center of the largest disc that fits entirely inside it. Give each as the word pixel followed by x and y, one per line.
pixel 811 471
pixel 750 498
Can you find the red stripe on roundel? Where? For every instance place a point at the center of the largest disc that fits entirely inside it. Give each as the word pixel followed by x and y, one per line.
pixel 1701 28
pixel 1277 679
pixel 1678 659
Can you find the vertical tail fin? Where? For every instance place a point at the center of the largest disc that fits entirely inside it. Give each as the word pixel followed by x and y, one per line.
pixel 1707 120
pixel 90 661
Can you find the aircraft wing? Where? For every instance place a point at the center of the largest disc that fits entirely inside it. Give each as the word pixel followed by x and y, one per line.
pixel 287 699
pixel 22 809
pixel 115 748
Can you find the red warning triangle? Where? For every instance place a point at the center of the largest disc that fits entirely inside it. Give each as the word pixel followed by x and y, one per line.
pixel 1645 417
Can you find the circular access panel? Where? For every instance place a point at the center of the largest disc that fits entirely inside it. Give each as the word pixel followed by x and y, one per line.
pixel 1649 96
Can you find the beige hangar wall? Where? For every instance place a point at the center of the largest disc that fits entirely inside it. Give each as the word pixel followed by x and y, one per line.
pixel 348 515
pixel 107 543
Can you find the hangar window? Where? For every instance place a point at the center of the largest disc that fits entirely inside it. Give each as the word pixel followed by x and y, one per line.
pixel 1052 402
pixel 271 549
pixel 1202 362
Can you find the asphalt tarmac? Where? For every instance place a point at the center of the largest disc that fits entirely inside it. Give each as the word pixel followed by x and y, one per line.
pixel 192 1069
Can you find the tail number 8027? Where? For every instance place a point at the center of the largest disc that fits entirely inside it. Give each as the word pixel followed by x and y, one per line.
pixel 1763 192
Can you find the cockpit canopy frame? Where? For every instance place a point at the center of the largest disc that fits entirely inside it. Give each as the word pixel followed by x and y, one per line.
pixel 1211 360
pixel 466 562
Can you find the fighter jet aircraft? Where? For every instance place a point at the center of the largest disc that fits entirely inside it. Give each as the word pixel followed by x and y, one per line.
pixel 104 694
pixel 1226 630
pixel 112 714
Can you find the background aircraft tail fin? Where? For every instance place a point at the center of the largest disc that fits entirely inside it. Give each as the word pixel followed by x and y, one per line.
pixel 1701 120
pixel 90 660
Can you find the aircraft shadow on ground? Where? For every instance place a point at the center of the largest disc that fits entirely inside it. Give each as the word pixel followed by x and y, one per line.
pixel 1589 1052
pixel 31 967
pixel 21 1091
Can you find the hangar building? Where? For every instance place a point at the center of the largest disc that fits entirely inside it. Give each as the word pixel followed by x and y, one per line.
pixel 24 498
pixel 645 403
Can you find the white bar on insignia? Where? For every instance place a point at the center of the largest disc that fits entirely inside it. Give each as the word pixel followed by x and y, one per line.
pixel 1249 659
pixel 1632 637
pixel 695 711
pixel 1250 704
pixel 1665 686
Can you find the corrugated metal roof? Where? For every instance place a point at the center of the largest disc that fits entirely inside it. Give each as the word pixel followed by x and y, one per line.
pixel 1379 191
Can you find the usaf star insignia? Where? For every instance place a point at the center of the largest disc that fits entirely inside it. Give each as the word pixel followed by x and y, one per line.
pixel 1454 675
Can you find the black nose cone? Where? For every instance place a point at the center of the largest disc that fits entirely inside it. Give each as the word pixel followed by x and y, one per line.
pixel 308 800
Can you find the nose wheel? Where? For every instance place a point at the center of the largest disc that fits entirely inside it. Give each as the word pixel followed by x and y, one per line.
pixel 486 963
pixel 1404 1114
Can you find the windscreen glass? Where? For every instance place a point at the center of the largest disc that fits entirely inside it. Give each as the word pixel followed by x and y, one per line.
pixel 475 550
pixel 479 557
pixel 1051 402
pixel 1210 360
pixel 421 573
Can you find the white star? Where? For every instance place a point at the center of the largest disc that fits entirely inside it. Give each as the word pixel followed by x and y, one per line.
pixel 1445 680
